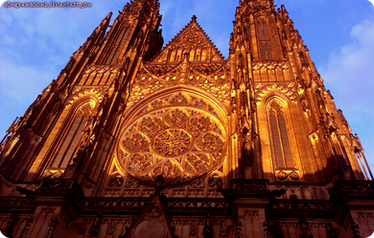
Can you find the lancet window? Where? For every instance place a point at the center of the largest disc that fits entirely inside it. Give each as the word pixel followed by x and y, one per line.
pixel 70 137
pixel 264 40
pixel 281 149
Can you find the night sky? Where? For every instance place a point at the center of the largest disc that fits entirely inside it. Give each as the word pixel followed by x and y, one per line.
pixel 36 43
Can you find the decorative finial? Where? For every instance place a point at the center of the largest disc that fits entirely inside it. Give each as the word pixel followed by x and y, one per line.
pixel 193 18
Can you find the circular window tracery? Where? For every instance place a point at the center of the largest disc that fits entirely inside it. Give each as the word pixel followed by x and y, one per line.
pixel 172 142
pixel 179 143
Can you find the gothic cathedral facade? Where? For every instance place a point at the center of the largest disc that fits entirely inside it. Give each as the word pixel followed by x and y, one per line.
pixel 135 140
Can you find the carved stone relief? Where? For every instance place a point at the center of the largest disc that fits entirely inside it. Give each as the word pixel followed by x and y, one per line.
pixel 254 213
pixel 99 75
pixel 287 89
pixel 287 174
pixel 365 215
pixel 151 79
pixel 193 40
pixel 80 92
pixel 179 137
pixel 115 181
pixel 270 65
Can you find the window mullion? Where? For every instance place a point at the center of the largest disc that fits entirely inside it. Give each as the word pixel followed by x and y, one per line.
pixel 280 140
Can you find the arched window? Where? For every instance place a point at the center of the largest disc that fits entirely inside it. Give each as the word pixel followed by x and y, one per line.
pixel 281 149
pixel 264 40
pixel 70 135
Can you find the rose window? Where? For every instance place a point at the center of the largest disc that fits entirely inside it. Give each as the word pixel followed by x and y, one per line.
pixel 172 142
pixel 180 144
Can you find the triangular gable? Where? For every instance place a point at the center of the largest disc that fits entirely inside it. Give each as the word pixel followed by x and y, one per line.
pixel 193 40
pixel 151 222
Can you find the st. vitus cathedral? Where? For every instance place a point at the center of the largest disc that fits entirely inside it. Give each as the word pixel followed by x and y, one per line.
pixel 135 140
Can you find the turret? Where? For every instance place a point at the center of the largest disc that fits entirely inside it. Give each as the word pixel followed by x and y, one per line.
pixel 284 90
pixel 110 59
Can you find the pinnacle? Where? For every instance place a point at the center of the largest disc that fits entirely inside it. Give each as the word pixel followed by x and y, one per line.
pixel 108 17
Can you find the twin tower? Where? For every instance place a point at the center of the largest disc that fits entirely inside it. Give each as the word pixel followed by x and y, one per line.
pixel 135 140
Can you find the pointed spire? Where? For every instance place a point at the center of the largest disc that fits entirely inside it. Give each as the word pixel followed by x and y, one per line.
pixel 284 9
pixel 107 18
pixel 99 30
pixel 98 33
pixel 103 25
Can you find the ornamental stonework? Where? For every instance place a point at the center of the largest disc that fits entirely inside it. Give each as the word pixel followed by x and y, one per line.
pixel 261 90
pixel 99 75
pixel 193 40
pixel 86 92
pixel 151 80
pixel 180 138
pixel 269 65
pixel 172 142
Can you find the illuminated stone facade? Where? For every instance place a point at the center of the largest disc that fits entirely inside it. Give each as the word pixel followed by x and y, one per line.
pixel 132 140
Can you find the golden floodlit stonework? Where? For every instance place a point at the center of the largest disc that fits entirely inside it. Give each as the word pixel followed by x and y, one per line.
pixel 179 137
pixel 136 139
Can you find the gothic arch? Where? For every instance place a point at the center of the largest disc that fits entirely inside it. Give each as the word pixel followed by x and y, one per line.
pixel 283 148
pixel 80 96
pixel 262 26
pixel 180 133
pixel 219 108
pixel 65 136
pixel 264 39
pixel 279 133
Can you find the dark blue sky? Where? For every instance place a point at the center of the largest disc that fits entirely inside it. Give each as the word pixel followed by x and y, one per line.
pixel 36 43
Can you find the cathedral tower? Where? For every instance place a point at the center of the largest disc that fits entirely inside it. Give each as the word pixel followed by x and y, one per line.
pixel 132 140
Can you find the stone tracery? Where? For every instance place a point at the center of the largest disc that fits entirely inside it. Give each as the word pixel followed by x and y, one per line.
pixel 180 139
pixel 172 142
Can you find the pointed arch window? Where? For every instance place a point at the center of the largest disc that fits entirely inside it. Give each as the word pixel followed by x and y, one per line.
pixel 70 137
pixel 264 40
pixel 281 148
